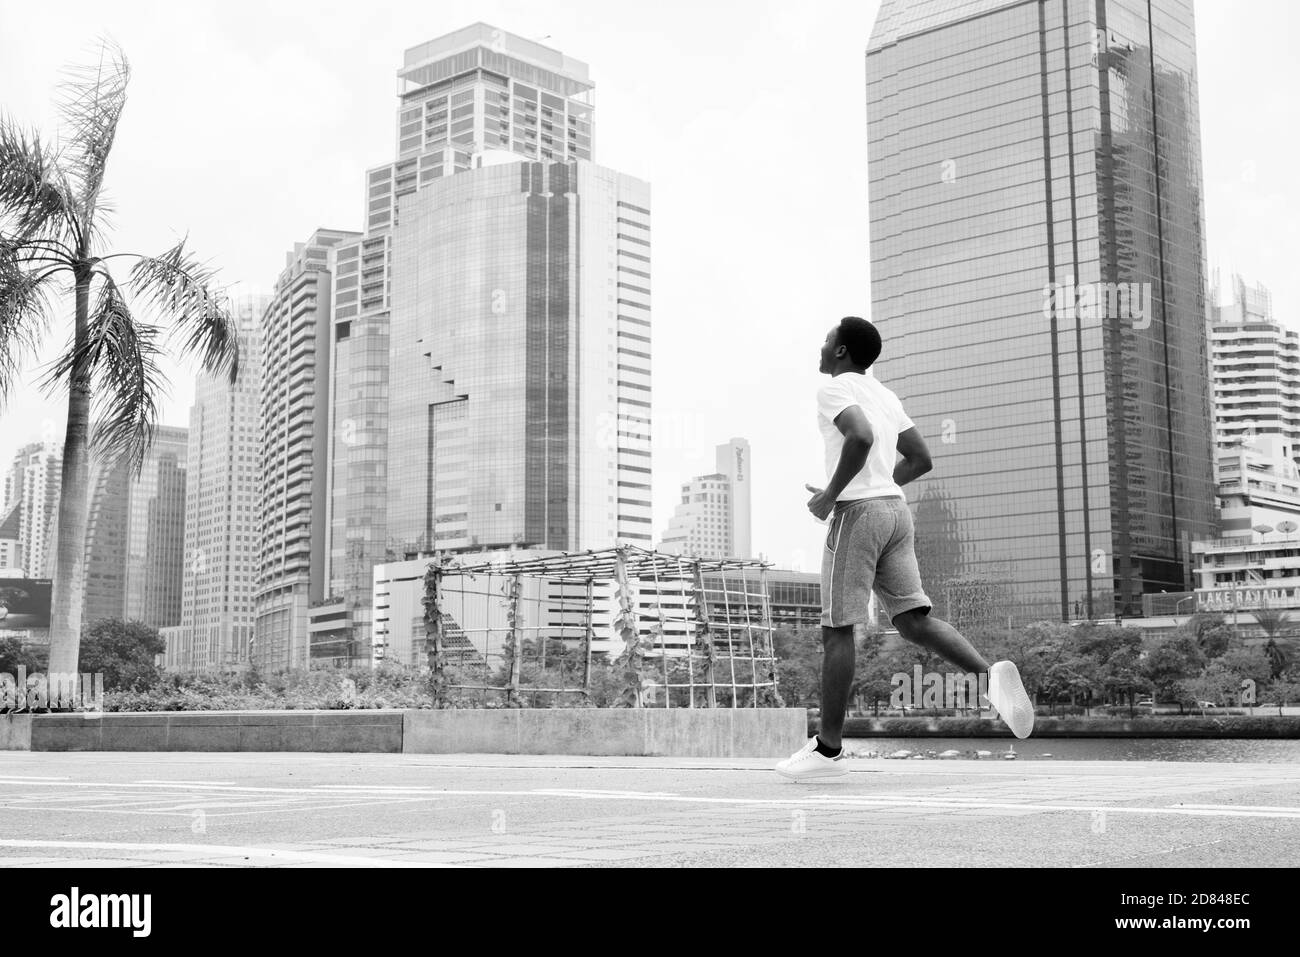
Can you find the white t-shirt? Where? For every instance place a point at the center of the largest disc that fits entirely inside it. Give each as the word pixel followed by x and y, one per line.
pixel 885 413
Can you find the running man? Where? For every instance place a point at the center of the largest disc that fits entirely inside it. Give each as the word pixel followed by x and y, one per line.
pixel 872 450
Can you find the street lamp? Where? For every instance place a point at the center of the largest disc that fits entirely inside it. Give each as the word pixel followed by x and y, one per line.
pixel 1178 604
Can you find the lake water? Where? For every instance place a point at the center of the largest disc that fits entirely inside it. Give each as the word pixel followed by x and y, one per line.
pixel 1097 749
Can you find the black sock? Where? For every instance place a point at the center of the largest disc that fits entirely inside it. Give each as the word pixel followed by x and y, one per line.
pixel 826 750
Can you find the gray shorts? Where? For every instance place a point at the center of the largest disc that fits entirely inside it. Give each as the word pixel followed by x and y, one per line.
pixel 871 544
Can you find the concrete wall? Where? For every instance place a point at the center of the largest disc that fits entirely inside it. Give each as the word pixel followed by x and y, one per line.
pixel 15 732
pixel 720 733
pixel 1162 726
pixel 212 731
pixel 675 732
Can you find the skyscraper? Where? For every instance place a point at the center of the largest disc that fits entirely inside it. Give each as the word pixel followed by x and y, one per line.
pixel 712 520
pixel 1256 365
pixel 104 590
pixel 32 486
pixel 135 535
pixel 1038 277
pixel 11 549
pixel 221 542
pixel 293 430
pixel 520 325
pixel 155 539
pixel 520 379
pixel 491 243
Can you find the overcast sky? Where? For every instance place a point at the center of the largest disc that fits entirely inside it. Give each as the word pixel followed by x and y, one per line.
pixel 250 124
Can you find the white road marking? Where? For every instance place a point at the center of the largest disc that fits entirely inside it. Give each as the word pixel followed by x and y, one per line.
pixel 865 801
pixel 598 792
pixel 206 851
pixel 1251 807
pixel 171 781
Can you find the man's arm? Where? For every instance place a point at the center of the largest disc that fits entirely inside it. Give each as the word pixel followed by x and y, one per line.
pixel 915 460
pixel 858 437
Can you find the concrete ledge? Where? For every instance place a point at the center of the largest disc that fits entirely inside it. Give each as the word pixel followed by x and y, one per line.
pixel 663 732
pixel 342 731
pixel 675 732
pixel 1164 726
pixel 15 732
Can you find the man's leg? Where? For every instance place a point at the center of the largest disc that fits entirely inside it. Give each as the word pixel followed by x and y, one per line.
pixel 940 638
pixel 837 679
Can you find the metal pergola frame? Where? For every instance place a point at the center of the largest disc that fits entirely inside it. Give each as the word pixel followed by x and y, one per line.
pixel 721 628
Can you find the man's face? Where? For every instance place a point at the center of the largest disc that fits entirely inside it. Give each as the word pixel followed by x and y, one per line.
pixel 828 350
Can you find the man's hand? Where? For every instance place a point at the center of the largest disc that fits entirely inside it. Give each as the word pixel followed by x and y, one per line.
pixel 821 504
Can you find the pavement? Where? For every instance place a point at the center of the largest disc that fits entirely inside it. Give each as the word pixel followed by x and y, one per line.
pixel 132 809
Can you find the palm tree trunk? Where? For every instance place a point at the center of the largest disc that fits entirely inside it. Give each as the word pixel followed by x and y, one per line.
pixel 74 504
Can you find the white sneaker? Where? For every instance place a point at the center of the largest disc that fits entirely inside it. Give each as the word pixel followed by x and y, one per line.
pixel 1008 697
pixel 806 764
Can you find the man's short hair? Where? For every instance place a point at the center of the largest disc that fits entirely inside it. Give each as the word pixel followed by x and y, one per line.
pixel 861 338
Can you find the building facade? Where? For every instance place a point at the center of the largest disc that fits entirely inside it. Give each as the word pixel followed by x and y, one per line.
pixel 221 551
pixel 712 520
pixel 1038 276
pixel 293 433
pixel 11 547
pixel 520 396
pixel 465 241
pixel 1259 488
pixel 1243 577
pixel 31 486
pixel 135 535
pixel 1256 366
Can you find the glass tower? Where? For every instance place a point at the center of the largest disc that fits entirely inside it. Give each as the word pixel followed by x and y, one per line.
pixel 490 219
pixel 1038 277
pixel 520 398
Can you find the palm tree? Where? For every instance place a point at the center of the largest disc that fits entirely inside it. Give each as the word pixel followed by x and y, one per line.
pixel 53 218
pixel 1274 623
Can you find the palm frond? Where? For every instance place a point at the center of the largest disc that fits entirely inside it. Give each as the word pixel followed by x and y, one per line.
pixel 91 99
pixel 24 314
pixel 121 356
pixel 183 289
pixel 35 197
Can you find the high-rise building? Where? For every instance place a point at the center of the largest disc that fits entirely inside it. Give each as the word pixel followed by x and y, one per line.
pixel 1232 299
pixel 712 520
pixel 155 539
pixel 11 548
pixel 491 222
pixel 700 522
pixel 293 431
pixel 494 313
pixel 104 591
pixel 475 90
pixel 1038 276
pixel 221 532
pixel 1256 366
pixel 135 535
pixel 520 307
pixel 31 486
pixel 520 377
pixel 1259 488
pixel 735 462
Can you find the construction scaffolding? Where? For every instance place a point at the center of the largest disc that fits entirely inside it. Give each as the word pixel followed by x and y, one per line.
pixel 621 627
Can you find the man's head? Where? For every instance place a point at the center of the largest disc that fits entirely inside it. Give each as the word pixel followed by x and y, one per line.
pixel 851 346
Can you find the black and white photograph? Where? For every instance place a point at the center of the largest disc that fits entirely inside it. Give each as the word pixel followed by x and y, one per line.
pixel 606 436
